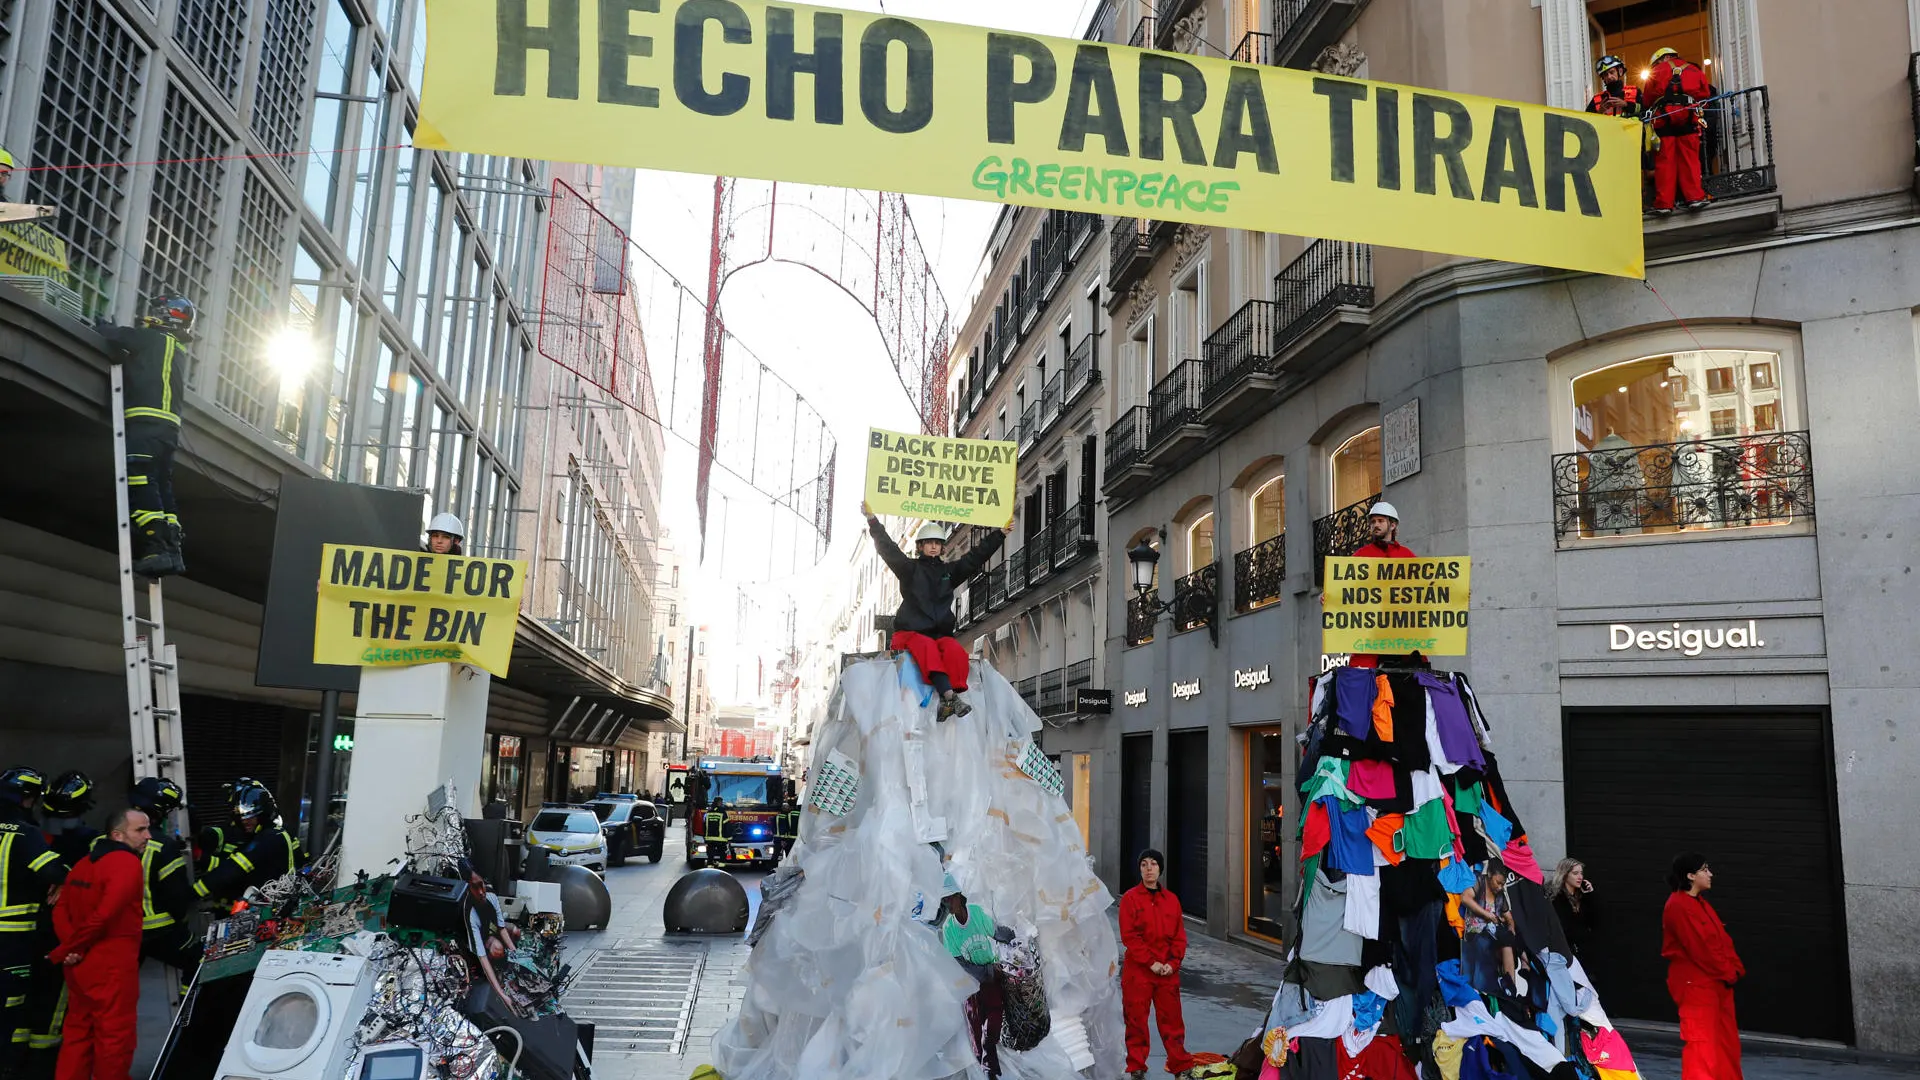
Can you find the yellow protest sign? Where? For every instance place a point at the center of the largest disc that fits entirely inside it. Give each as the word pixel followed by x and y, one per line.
pixel 856 99
pixel 385 608
pixel 1392 606
pixel 34 250
pixel 926 476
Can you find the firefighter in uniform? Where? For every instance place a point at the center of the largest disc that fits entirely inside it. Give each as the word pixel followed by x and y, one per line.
pixel 1615 97
pixel 30 875
pixel 787 826
pixel 68 798
pixel 166 931
pixel 714 829
pixel 155 378
pixel 265 850
pixel 62 808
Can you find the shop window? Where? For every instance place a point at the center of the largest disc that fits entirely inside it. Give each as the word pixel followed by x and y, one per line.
pixel 1701 439
pixel 1267 750
pixel 1354 469
pixel 1200 542
pixel 504 779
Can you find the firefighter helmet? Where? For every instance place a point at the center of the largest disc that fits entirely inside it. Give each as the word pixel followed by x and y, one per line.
pixel 157 795
pixel 22 782
pixel 253 801
pixel 70 795
pixel 1662 53
pixel 1609 63
pixel 170 311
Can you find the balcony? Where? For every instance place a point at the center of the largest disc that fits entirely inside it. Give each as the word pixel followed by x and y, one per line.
pixel 1127 468
pixel 996 586
pixel 1079 677
pixel 1173 421
pixel 1302 28
pixel 1322 300
pixel 1260 574
pixel 1053 693
pixel 1743 481
pixel 1913 92
pixel 1051 398
pixel 1073 537
pixel 1737 169
pixel 1143 34
pixel 1029 426
pixel 1026 305
pixel 1254 48
pixel 1196 598
pixel 1016 574
pixel 1039 551
pixel 1081 372
pixel 1140 620
pixel 1132 248
pixel 1339 533
pixel 1081 229
pixel 1240 374
pixel 977 598
pixel 1029 691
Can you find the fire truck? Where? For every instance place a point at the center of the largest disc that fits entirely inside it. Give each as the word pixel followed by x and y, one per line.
pixel 754 791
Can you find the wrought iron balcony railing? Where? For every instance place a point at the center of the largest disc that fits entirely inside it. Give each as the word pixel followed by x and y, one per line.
pixel 1143 34
pixel 1328 275
pixel 1339 533
pixel 1140 619
pixel 1080 371
pixel 1053 692
pixel 1073 537
pixel 1029 425
pixel 1084 227
pixel 1242 346
pixel 1727 483
pixel 1079 676
pixel 1196 598
pixel 1126 441
pixel 1175 400
pixel 1132 242
pixel 977 604
pixel 1260 574
pixel 996 586
pixel 1913 91
pixel 1736 154
pixel 1255 48
pixel 1051 398
pixel 1039 555
pixel 1016 573
pixel 1029 691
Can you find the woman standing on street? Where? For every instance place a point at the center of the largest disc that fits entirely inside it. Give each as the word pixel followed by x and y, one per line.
pixel 1572 896
pixel 1701 970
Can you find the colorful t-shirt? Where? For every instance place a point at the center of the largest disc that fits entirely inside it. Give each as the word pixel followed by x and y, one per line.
pixel 972 941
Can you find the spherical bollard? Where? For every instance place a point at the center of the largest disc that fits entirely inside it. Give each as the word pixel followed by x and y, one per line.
pixel 706 902
pixel 585 903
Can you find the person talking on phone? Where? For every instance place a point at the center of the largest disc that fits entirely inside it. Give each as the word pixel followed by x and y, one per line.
pixel 1572 896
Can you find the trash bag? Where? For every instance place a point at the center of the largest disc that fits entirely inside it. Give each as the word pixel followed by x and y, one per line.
pixel 847 984
pixel 1026 1020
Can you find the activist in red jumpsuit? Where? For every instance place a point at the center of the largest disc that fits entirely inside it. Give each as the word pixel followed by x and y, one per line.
pixel 1701 970
pixel 1673 91
pixel 98 921
pixel 1383 528
pixel 923 626
pixel 1154 931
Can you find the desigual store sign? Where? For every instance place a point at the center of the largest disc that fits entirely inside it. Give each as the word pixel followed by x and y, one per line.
pixel 1252 678
pixel 1685 639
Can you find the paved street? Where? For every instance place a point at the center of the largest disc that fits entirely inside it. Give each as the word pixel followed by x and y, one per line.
pixel 657 1000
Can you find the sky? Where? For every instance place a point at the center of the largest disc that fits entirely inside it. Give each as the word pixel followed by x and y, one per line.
pixel 822 342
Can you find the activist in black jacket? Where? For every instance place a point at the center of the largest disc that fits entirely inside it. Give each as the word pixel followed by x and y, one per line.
pixel 927 581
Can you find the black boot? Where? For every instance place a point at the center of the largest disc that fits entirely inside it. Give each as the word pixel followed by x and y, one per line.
pixel 176 538
pixel 150 555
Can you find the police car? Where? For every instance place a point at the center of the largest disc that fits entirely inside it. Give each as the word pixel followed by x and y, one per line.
pixel 571 834
pixel 632 826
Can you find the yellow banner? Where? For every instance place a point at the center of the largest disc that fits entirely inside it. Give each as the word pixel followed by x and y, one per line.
pixel 926 476
pixel 35 250
pixel 853 99
pixel 385 608
pixel 1393 606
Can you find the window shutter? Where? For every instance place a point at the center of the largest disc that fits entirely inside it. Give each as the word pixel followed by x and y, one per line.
pixel 1056 495
pixel 1736 34
pixel 1563 32
pixel 1089 478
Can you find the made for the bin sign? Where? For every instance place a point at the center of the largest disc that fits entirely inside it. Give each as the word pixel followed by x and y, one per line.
pixel 385 608
pixel 1396 606
pixel 926 476
pixel 874 99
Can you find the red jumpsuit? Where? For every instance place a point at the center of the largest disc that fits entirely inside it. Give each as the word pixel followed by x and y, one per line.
pixel 98 919
pixel 1154 931
pixel 1374 549
pixel 1701 970
pixel 1677 161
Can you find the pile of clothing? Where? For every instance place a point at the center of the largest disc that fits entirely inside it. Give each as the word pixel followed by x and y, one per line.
pixel 1426 935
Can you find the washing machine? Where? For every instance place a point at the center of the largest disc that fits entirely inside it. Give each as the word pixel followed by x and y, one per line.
pixel 298 1017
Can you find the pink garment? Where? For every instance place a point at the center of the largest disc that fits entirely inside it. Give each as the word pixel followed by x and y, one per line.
pixel 1453 823
pixel 1370 779
pixel 1607 1050
pixel 1519 859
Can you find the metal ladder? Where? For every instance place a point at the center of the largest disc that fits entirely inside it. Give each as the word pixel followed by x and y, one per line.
pixel 153 668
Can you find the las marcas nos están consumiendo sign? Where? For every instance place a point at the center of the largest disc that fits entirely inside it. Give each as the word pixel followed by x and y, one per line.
pixel 873 100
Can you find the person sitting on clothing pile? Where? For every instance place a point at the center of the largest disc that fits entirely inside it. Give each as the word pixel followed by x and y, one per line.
pixel 924 624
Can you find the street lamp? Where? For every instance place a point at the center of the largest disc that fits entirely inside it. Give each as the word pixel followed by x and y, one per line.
pixel 1143 559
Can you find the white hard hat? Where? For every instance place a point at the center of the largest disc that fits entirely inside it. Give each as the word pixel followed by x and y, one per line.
pixel 1383 509
pixel 930 531
pixel 447 523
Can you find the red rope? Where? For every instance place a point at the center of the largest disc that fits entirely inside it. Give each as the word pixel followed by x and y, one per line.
pixel 1675 314
pixel 206 160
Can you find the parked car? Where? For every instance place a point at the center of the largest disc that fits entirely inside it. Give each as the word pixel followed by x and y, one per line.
pixel 571 834
pixel 632 826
